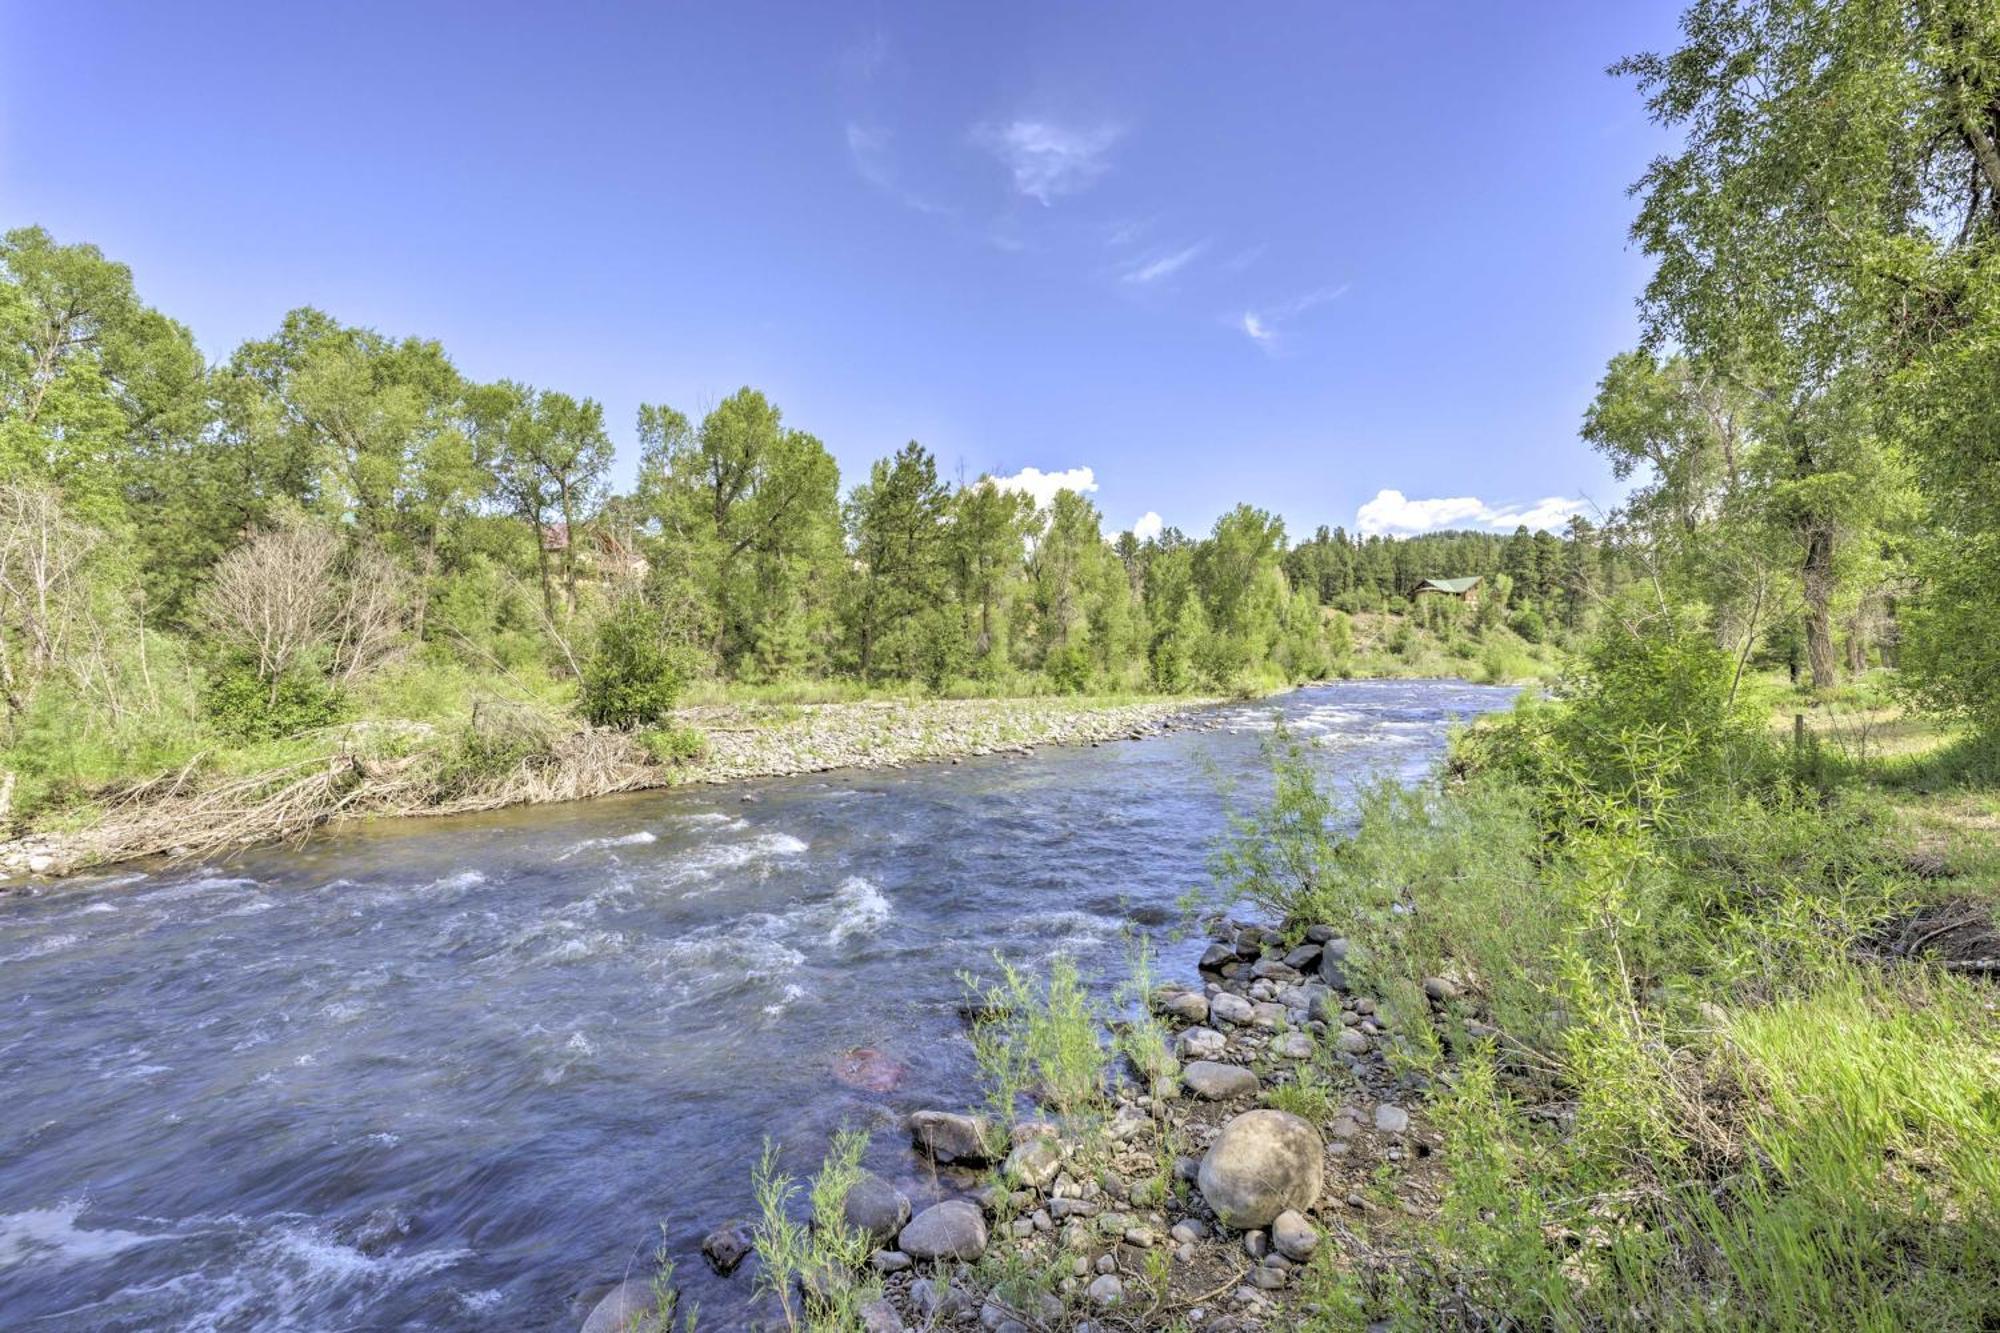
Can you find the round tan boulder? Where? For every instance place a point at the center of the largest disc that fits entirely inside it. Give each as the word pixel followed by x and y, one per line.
pixel 1263 1163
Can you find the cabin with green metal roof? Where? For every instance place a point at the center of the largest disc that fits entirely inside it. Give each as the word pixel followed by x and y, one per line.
pixel 1464 590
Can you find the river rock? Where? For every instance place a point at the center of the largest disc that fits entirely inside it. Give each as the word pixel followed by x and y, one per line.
pixel 1201 1044
pixel 1294 1237
pixel 1333 964
pixel 1035 1162
pixel 954 1229
pixel 1391 1119
pixel 1350 1041
pixel 1274 969
pixel 627 1305
pixel 876 1207
pixel 1216 957
pixel 1262 1163
pixel 1106 1290
pixel 950 1137
pixel 1304 958
pixel 878 1316
pixel 868 1069
pixel 1230 1008
pixel 1185 1004
pixel 1292 1046
pixel 727 1246
pixel 1439 989
pixel 1218 1082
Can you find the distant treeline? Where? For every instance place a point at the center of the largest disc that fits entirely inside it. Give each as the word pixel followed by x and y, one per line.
pixel 247 542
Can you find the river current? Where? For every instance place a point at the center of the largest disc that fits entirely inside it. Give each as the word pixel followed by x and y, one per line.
pixel 466 1073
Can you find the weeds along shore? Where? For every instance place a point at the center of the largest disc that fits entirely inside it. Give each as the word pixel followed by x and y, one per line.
pixel 1642 1013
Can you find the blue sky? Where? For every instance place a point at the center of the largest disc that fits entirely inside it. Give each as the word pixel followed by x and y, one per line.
pixel 1294 254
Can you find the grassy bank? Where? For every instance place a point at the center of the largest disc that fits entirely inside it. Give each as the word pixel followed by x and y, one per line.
pixel 1693 1020
pixel 1723 1041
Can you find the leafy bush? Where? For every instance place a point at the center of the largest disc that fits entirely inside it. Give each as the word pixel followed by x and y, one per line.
pixel 246 707
pixel 1528 623
pixel 633 676
pixel 674 745
pixel 1068 669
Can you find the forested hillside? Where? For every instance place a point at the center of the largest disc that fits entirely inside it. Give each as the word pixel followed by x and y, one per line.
pixel 335 525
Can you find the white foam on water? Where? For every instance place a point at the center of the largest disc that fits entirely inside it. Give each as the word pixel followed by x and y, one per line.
pixel 639 839
pixel 792 993
pixel 707 862
pixel 51 1236
pixel 1072 929
pixel 858 909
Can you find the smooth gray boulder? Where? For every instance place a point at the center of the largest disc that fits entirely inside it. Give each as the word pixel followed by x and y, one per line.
pixel 1201 1044
pixel 1230 1008
pixel 875 1207
pixel 1294 1237
pixel 954 1229
pixel 950 1137
pixel 1262 1163
pixel 1218 1082
pixel 626 1306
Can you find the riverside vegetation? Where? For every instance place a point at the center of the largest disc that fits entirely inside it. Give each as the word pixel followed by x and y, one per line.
pixel 1664 1006
pixel 331 576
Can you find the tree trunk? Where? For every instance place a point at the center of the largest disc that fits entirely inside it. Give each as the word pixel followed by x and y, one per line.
pixel 1817 579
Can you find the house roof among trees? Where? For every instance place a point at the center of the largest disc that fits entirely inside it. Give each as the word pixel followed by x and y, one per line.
pixel 1456 587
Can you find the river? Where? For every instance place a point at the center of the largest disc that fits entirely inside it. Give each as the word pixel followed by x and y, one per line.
pixel 465 1073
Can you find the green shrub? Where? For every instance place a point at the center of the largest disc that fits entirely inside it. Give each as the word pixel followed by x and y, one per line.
pixel 1068 669
pixel 672 746
pixel 1039 1039
pixel 246 707
pixel 632 676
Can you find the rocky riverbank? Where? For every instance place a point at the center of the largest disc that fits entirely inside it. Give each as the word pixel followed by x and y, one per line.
pixel 778 740
pixel 377 771
pixel 1269 1146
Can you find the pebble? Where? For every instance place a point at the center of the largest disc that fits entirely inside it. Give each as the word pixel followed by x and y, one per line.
pixel 1391 1119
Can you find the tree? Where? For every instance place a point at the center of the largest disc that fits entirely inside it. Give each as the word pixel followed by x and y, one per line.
pixel 1838 171
pixel 749 524
pixel 896 520
pixel 987 536
pixel 550 455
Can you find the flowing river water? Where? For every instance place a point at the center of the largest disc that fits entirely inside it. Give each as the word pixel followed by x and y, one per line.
pixel 466 1073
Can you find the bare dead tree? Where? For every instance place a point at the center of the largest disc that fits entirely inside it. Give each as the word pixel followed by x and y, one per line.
pixel 275 598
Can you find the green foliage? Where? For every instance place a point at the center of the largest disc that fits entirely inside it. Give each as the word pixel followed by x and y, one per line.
pixel 633 675
pixel 243 706
pixel 673 746
pixel 810 1268
pixel 1039 1039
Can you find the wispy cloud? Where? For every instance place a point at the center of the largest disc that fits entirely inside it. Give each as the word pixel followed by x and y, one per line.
pixel 1391 513
pixel 1243 259
pixel 1165 265
pixel 869 149
pixel 1047 160
pixel 1264 326
pixel 1044 485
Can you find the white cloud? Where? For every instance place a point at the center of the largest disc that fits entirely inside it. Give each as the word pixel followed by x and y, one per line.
pixel 868 147
pixel 1044 485
pixel 1049 160
pixel 1166 265
pixel 1149 526
pixel 1263 325
pixel 1391 513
